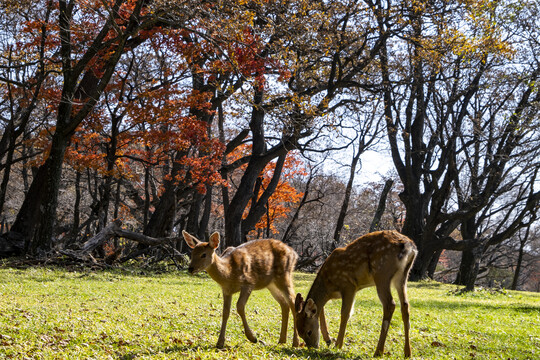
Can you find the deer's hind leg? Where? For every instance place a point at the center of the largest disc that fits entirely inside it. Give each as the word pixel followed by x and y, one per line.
pixel 283 303
pixel 289 293
pixel 385 295
pixel 283 292
pixel 241 308
pixel 400 283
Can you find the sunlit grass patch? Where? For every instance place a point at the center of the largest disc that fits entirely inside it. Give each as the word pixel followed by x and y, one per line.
pixel 57 314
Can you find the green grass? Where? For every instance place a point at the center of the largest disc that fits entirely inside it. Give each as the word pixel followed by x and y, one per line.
pixel 56 314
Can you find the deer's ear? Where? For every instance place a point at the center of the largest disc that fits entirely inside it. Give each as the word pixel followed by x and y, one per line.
pixel 311 308
pixel 190 240
pixel 299 303
pixel 214 240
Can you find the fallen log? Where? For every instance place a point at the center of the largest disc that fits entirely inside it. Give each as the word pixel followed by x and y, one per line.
pixel 115 230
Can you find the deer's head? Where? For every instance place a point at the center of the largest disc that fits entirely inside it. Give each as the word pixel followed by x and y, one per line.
pixel 307 321
pixel 203 252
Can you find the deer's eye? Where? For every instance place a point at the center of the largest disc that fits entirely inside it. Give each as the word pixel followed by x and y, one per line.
pixel 203 256
pixel 309 332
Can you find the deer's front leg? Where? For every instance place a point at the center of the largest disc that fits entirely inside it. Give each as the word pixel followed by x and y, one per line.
pixel 227 299
pixel 347 302
pixel 240 307
pixel 324 328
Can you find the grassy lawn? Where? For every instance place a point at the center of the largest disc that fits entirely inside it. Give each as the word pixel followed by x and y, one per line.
pixel 57 314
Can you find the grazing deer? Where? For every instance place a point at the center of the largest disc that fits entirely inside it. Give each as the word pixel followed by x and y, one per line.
pixel 380 258
pixel 255 265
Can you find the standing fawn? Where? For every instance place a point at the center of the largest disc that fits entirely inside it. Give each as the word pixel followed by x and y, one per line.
pixel 380 258
pixel 251 266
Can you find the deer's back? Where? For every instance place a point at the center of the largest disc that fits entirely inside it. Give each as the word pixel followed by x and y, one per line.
pixel 375 254
pixel 259 262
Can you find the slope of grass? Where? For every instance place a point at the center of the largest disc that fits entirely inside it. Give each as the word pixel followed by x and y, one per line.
pixel 56 314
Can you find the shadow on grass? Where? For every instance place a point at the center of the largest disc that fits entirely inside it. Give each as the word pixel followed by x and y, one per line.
pixel 304 352
pixel 526 309
pixel 181 350
pixel 464 305
pixel 426 284
pixel 298 276
pixel 278 351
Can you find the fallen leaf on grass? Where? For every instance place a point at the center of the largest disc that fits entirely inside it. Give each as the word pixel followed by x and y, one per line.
pixel 437 344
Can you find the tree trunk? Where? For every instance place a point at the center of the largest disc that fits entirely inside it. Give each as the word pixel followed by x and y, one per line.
pixel 192 225
pixel 522 243
pixel 106 187
pixel 76 207
pixel 470 266
pixel 518 267
pixel 117 198
pixel 205 218
pixel 26 183
pixel 146 208
pixel 260 206
pixel 288 232
pixel 376 223
pixel 38 211
pixel 433 264
pixel 234 234
pixel 465 267
pixel 5 179
pixel 414 229
pixel 345 205
pixel 477 253
pixel 43 240
pixel 162 220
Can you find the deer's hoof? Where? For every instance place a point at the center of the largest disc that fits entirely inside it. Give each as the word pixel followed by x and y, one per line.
pixel 251 337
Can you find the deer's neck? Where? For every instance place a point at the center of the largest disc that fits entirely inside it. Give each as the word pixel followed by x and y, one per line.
pixel 319 292
pixel 219 270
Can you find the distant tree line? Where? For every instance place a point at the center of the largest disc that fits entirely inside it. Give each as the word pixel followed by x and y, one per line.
pixel 251 118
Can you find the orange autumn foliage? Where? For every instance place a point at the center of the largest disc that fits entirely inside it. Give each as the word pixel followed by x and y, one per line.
pixel 282 201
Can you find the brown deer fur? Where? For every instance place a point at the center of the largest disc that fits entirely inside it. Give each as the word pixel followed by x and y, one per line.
pixel 251 266
pixel 377 259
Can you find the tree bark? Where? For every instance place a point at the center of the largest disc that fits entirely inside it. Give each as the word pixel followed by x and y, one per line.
pixel 234 234
pixel 76 207
pixel 82 85
pixel 205 218
pixel 289 231
pixel 346 198
pixel 376 222
pixel 517 272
